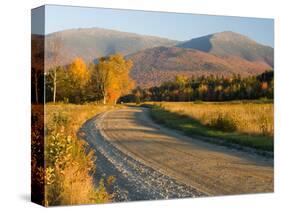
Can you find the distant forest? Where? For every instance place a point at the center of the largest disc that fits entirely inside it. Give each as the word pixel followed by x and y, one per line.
pixel 207 88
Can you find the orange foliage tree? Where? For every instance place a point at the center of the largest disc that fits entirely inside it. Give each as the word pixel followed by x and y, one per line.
pixel 112 77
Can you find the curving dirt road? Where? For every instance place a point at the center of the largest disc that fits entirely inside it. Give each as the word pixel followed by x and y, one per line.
pixel 152 162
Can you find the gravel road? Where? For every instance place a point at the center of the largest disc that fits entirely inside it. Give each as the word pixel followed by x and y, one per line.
pixel 152 162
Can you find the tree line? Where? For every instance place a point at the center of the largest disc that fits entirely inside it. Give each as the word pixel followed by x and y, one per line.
pixel 103 81
pixel 207 88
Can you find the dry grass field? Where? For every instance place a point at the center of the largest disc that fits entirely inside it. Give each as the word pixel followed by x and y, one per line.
pixel 250 122
pixel 250 118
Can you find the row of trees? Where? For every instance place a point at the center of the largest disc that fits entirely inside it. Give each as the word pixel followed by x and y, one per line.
pixel 104 81
pixel 207 88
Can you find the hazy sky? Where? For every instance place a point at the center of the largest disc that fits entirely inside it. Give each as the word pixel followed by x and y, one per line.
pixel 177 26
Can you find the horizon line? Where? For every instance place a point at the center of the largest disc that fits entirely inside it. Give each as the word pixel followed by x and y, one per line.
pixel 116 30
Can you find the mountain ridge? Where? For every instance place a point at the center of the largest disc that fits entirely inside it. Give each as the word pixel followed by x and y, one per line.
pixel 228 43
pixel 92 43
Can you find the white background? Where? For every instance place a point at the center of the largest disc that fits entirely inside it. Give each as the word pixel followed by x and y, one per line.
pixel 15 104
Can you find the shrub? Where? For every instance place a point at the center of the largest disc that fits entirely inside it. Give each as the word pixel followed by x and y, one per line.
pixel 68 172
pixel 59 119
pixel 70 166
pixel 198 102
pixel 266 125
pixel 223 123
pixel 137 99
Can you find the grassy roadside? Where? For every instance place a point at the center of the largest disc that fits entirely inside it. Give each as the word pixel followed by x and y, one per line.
pixel 193 127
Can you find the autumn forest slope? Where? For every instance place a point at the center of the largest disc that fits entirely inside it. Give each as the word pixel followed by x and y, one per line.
pixel 159 64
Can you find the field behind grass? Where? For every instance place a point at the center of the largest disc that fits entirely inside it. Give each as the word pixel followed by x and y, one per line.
pixel 247 123
pixel 69 162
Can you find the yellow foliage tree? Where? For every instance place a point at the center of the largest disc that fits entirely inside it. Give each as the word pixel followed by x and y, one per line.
pixel 79 73
pixel 79 77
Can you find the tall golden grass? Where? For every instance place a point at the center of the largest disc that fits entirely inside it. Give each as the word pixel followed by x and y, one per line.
pixel 69 164
pixel 245 117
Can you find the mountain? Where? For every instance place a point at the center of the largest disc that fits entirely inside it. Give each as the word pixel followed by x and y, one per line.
pixel 91 43
pixel 159 59
pixel 156 65
pixel 229 43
